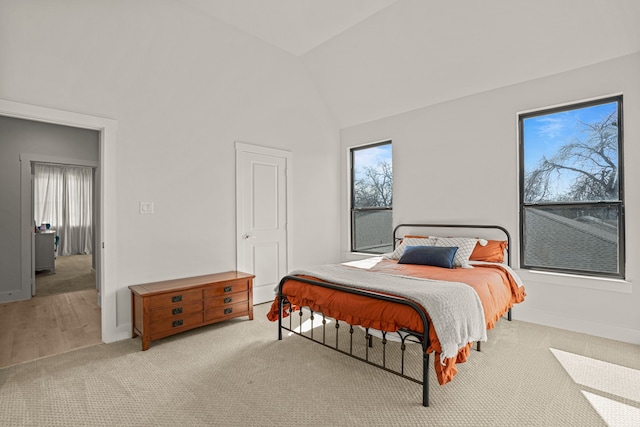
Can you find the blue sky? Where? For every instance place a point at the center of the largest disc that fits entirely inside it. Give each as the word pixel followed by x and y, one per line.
pixel 372 156
pixel 545 134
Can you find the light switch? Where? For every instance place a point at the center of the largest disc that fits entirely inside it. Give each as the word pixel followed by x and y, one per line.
pixel 146 207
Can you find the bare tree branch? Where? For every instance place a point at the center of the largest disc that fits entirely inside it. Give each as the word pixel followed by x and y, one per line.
pixel 375 188
pixel 593 160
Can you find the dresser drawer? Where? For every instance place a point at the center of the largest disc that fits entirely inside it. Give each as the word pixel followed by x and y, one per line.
pixel 180 309
pixel 224 300
pixel 229 287
pixel 227 311
pixel 176 323
pixel 175 298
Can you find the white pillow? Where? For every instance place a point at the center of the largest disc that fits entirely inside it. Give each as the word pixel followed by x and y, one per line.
pixel 465 248
pixel 412 241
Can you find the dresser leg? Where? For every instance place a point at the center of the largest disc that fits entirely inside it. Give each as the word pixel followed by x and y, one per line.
pixel 146 343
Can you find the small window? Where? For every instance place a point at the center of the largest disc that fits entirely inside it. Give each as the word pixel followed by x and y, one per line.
pixel 372 198
pixel 571 189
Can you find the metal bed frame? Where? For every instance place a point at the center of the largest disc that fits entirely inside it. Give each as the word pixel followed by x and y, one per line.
pixel 285 306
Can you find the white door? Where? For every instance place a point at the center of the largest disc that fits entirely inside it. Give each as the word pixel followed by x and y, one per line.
pixel 262 213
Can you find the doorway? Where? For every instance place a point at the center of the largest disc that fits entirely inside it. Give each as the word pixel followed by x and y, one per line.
pixel 27 196
pixel 263 211
pixel 63 207
pixel 105 231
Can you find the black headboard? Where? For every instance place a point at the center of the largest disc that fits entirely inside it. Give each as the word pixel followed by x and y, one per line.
pixel 471 227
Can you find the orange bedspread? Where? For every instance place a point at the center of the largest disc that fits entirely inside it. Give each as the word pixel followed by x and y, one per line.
pixel 497 289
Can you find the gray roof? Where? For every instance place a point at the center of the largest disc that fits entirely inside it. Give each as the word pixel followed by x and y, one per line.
pixel 586 243
pixel 374 231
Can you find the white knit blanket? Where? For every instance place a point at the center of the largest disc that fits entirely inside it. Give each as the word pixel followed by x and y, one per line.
pixel 454 308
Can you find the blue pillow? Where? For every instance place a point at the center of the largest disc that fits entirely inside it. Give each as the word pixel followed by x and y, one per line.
pixel 437 256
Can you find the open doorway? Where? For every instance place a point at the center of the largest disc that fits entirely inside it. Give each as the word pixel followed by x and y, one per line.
pixel 56 189
pixel 18 286
pixel 65 320
pixel 63 206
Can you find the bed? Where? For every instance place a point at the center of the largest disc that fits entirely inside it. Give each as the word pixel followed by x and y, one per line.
pixel 441 288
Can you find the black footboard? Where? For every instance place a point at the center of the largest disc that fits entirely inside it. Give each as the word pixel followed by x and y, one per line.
pixel 351 340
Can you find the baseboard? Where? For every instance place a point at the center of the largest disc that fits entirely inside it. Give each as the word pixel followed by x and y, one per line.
pixel 122 332
pixel 614 332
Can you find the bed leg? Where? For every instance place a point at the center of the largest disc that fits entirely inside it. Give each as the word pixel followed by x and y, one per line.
pixel 478 346
pixel 280 312
pixel 509 315
pixel 425 379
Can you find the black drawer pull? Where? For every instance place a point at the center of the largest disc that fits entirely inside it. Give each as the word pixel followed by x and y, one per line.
pixel 228 310
pixel 177 310
pixel 227 300
pixel 177 323
pixel 177 298
pixel 228 288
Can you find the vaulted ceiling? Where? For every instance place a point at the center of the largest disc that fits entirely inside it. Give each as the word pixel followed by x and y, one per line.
pixel 375 58
pixel 296 26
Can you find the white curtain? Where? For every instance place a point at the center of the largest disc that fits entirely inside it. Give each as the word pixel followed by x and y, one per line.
pixel 63 197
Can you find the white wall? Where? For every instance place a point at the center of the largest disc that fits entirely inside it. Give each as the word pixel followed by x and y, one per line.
pixel 182 88
pixel 457 162
pixel 418 53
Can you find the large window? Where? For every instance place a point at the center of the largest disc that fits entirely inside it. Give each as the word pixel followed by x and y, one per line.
pixel 371 198
pixel 571 189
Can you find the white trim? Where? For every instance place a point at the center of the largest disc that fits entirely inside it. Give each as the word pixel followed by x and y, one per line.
pixel 364 144
pixel 111 330
pixel 260 149
pixel 348 254
pixel 38 158
pixel 588 282
pixel 584 282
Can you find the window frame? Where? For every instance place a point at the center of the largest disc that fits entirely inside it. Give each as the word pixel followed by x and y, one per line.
pixel 523 206
pixel 354 210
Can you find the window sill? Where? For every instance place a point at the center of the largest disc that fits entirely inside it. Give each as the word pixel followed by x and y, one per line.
pixel 585 282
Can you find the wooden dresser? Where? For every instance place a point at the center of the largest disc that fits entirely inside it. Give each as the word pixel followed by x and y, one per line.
pixel 161 309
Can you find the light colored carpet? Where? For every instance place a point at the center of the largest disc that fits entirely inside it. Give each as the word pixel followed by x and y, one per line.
pixel 237 373
pixel 73 273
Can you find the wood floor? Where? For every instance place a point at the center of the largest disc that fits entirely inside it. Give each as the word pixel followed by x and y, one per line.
pixel 44 326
